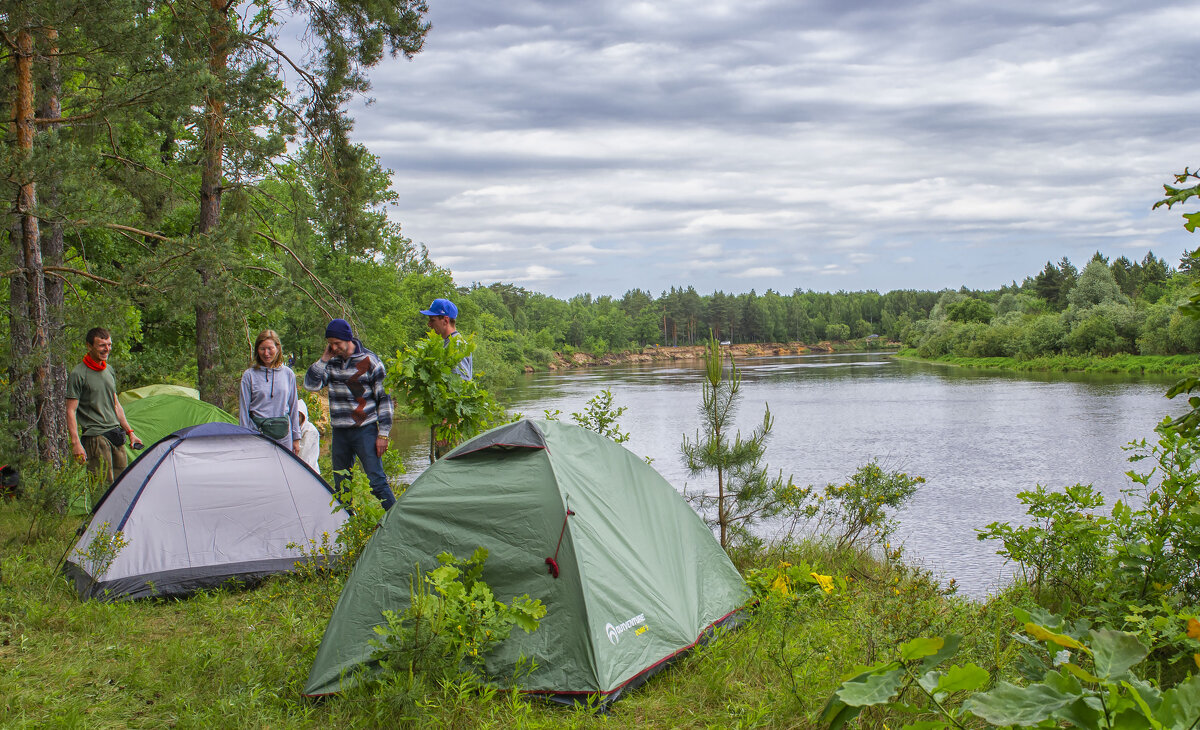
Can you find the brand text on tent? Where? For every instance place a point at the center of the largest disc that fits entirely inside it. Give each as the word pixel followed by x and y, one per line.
pixel 614 632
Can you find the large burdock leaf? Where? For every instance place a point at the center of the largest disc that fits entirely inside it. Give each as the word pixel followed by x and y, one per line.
pixel 1180 708
pixel 962 679
pixel 875 689
pixel 1114 652
pixel 922 647
pixel 1009 704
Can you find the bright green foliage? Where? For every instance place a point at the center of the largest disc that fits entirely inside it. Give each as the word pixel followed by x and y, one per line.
pixel 1146 549
pixel 1157 527
pixel 600 416
pixel 423 375
pixel 1063 546
pixel 797 584
pixel 856 512
pixel 1190 421
pixel 365 512
pixel 745 493
pixel 102 551
pixel 1084 679
pixel 327 558
pixel 914 667
pixel 452 621
pixel 970 310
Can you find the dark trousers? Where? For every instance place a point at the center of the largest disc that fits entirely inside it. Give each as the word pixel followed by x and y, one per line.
pixel 351 442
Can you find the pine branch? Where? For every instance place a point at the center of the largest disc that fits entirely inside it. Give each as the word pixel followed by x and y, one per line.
pixel 296 284
pixel 130 229
pixel 316 279
pixel 311 79
pixel 88 115
pixel 53 270
pixel 145 167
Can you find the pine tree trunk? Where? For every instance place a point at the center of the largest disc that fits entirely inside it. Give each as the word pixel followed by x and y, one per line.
pixel 20 394
pixel 53 408
pixel 30 237
pixel 207 332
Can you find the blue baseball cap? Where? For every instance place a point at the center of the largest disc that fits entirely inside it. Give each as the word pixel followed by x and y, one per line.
pixel 441 307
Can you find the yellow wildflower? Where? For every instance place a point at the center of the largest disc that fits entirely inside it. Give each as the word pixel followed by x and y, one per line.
pixel 1193 630
pixel 825 581
pixel 783 584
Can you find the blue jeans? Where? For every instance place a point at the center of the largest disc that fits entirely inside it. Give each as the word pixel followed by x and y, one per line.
pixel 360 442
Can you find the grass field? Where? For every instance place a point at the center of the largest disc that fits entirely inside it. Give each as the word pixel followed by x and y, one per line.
pixel 239 657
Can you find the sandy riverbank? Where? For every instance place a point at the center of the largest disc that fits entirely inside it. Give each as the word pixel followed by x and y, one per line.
pixel 687 352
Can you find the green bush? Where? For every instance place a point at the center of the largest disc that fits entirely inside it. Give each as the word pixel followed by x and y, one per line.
pixel 1093 335
pixel 455 408
pixel 452 621
pixel 970 310
pixel 1146 551
pixel 1062 549
pixel 1042 336
pixel 855 513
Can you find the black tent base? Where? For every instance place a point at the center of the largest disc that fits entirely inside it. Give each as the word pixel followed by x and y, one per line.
pixel 177 583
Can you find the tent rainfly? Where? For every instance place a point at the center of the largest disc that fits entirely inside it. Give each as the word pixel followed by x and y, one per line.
pixel 640 578
pixel 129 396
pixel 202 506
pixel 158 416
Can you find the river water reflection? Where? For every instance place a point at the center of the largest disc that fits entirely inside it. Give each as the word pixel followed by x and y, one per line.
pixel 978 437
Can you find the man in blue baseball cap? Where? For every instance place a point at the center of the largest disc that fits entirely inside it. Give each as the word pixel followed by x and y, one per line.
pixel 442 317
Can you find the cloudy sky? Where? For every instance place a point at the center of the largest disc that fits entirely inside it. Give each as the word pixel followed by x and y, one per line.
pixel 599 146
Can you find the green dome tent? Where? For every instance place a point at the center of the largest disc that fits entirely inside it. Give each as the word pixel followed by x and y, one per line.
pixel 157 416
pixel 640 581
pixel 146 391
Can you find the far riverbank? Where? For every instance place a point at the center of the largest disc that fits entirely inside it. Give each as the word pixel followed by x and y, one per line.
pixel 1172 365
pixel 658 353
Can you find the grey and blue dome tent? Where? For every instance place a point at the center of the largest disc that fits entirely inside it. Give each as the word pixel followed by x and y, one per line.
pixel 204 505
pixel 630 576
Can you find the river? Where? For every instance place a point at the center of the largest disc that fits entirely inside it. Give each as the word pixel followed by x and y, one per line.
pixel 978 437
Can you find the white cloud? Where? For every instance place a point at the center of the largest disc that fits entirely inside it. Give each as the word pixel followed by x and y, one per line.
pixel 758 272
pixel 606 146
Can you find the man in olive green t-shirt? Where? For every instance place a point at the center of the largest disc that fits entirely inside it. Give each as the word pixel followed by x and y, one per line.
pixel 95 420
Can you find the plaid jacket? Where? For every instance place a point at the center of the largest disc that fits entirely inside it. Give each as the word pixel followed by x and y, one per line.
pixel 356 394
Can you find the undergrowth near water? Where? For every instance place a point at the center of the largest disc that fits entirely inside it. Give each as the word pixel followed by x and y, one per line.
pixel 239 657
pixel 1173 365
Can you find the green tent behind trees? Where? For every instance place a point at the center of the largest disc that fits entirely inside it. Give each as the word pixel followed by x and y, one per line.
pixel 640 577
pixel 158 416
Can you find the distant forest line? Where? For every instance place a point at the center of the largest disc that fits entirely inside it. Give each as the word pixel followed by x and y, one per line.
pixel 1109 307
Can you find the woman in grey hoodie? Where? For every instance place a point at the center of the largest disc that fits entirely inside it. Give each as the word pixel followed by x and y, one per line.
pixel 267 403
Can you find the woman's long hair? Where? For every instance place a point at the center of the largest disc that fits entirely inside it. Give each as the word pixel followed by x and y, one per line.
pixel 263 337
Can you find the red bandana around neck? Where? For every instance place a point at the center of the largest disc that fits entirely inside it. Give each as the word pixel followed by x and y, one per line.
pixel 94 364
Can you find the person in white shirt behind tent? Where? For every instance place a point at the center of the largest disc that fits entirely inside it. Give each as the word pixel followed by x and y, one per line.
pixel 310 438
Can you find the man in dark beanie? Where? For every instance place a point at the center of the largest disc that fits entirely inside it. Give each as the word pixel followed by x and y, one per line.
pixel 360 410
